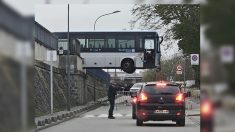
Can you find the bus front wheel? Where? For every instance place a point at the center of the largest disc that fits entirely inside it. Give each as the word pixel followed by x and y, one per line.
pixel 128 66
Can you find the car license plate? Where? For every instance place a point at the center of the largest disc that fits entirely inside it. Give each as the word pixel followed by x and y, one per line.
pixel 162 111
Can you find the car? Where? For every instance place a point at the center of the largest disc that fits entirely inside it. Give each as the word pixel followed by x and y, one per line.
pixel 133 91
pixel 160 101
pixel 135 88
pixel 207 112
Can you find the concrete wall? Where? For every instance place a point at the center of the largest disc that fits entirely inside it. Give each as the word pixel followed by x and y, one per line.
pixel 84 87
pixel 41 54
pixel 75 62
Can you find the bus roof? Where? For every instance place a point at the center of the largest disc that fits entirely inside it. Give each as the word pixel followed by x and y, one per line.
pixel 107 33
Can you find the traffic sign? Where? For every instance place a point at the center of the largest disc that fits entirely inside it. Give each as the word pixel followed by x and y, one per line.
pixel 227 54
pixel 194 59
pixel 51 55
pixel 179 68
pixel 179 72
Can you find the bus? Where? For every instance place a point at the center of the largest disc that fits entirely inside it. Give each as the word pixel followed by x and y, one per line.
pixel 125 50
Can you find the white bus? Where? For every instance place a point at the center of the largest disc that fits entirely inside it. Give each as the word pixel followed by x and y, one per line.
pixel 125 50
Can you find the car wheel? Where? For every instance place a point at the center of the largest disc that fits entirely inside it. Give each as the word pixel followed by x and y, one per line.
pixel 128 66
pixel 133 112
pixel 139 122
pixel 181 122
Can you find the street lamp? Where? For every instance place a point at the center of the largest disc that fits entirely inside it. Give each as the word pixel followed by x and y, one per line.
pixel 105 15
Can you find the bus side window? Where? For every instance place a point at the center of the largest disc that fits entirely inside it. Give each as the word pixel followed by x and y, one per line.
pixel 111 43
pixel 82 43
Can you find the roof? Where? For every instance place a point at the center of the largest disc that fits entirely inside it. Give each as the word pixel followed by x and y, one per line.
pixel 63 35
pixel 150 31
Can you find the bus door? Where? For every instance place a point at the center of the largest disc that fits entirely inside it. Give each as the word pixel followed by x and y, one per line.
pixel 149 53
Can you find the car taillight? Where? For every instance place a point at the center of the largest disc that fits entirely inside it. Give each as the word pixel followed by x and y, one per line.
pixel 142 97
pixel 179 97
pixel 206 108
pixel 134 100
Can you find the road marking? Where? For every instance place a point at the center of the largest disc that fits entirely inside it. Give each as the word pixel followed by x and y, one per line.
pixel 102 115
pixel 128 115
pixel 106 115
pixel 88 116
pixel 117 115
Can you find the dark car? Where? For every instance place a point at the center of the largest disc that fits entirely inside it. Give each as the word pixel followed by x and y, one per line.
pixel 160 101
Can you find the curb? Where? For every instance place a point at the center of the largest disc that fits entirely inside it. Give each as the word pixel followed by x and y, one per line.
pixel 193 115
pixel 55 120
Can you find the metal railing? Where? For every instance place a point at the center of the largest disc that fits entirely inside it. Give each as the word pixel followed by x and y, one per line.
pixel 45 37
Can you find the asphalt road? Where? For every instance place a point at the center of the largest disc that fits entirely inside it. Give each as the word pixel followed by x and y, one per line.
pixel 97 121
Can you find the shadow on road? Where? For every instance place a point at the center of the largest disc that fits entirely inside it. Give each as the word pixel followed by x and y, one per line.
pixel 159 125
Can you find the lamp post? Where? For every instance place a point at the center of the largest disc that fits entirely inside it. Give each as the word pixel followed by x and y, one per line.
pixel 68 66
pixel 104 15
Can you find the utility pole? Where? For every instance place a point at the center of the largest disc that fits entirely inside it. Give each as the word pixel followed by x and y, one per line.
pixel 68 67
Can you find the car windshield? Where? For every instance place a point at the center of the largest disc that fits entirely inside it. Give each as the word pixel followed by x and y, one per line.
pixel 167 90
pixel 137 85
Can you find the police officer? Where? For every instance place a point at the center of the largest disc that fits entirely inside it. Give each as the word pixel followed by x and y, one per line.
pixel 111 98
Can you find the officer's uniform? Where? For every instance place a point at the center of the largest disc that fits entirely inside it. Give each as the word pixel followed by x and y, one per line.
pixel 111 97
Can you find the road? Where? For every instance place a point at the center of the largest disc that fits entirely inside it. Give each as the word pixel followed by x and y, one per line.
pixel 97 121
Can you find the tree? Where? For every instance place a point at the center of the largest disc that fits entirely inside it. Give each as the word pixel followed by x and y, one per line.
pixel 181 24
pixel 169 69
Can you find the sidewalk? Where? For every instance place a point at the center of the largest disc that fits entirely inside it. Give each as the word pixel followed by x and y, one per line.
pixel 193 110
pixel 191 104
pixel 46 121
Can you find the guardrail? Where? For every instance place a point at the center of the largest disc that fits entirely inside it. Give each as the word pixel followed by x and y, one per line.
pixel 125 97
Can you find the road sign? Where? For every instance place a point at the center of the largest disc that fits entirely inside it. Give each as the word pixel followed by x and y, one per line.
pixel 226 54
pixel 194 59
pixel 179 72
pixel 179 68
pixel 51 55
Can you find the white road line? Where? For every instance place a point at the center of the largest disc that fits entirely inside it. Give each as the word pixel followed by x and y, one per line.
pixel 128 115
pixel 88 116
pixel 106 115
pixel 102 115
pixel 117 115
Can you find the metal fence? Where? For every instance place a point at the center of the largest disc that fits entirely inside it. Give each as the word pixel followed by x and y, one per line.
pixel 45 37
pixel 124 97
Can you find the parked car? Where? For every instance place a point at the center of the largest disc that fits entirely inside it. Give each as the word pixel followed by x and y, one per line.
pixel 159 101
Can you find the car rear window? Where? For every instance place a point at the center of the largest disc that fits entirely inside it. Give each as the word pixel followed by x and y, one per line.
pixel 167 90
